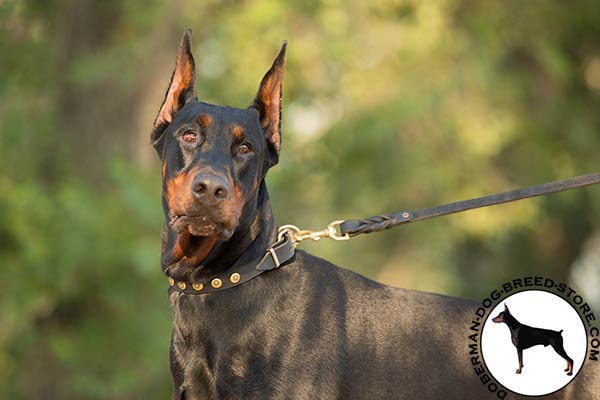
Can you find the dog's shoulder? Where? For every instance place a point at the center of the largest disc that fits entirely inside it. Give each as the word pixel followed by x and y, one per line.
pixel 317 268
pixel 310 268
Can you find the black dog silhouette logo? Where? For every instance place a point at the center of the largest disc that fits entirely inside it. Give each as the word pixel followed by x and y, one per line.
pixel 524 336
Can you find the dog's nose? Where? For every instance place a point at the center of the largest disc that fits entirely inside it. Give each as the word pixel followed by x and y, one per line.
pixel 210 188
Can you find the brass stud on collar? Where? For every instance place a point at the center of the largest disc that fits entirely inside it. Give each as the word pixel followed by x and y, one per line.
pixel 235 278
pixel 197 286
pixel 171 282
pixel 216 283
pixel 181 285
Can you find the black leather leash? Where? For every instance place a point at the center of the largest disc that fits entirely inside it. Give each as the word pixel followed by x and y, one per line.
pixel 353 227
pixel 345 229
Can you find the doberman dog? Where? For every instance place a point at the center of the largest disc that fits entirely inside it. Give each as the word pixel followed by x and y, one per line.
pixel 305 328
pixel 524 337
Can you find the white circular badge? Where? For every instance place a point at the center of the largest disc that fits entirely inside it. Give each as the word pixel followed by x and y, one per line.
pixel 533 343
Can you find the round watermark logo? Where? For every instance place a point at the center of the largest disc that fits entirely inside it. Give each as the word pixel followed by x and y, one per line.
pixel 533 343
pixel 531 336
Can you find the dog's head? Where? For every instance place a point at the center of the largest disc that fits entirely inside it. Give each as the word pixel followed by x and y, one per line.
pixel 503 316
pixel 213 159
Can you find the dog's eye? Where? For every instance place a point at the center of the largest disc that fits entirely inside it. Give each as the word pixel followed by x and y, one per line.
pixel 189 137
pixel 245 148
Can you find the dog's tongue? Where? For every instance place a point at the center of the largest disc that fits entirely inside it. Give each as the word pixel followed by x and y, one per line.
pixel 189 250
pixel 195 239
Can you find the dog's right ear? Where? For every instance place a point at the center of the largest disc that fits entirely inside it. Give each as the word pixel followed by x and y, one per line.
pixel 506 308
pixel 180 91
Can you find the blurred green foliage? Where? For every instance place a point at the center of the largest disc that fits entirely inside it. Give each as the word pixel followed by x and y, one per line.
pixel 388 105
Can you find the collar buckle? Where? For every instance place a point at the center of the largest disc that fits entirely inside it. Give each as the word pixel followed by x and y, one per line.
pixel 273 254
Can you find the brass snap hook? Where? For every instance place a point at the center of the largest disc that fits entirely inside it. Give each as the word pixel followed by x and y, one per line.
pixel 298 235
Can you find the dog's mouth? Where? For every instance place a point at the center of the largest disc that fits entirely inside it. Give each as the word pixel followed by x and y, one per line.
pixel 497 319
pixel 200 226
pixel 195 237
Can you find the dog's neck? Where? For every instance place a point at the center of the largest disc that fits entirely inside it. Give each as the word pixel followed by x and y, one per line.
pixel 512 322
pixel 249 242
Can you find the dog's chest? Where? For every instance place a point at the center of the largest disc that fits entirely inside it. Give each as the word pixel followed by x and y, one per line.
pixel 212 348
pixel 514 336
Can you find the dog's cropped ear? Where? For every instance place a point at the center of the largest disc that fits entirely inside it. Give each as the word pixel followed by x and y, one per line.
pixel 506 308
pixel 181 89
pixel 268 101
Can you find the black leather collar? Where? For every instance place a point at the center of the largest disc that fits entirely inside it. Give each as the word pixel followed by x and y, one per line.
pixel 277 255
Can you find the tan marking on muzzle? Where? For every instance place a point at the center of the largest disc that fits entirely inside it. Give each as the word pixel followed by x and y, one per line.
pixel 179 192
pixel 233 205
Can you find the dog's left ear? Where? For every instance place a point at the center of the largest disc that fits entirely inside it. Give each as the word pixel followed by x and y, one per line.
pixel 181 89
pixel 268 101
pixel 506 308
